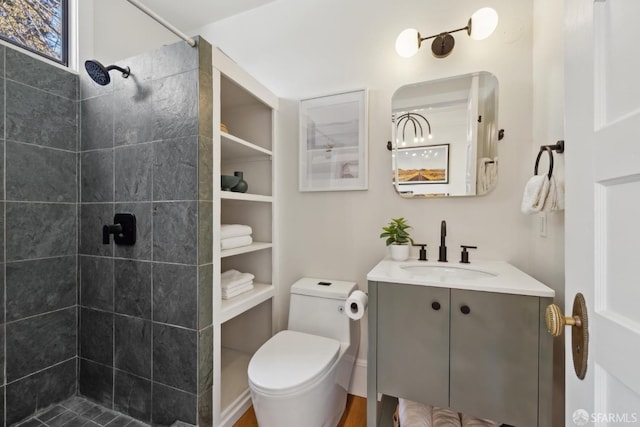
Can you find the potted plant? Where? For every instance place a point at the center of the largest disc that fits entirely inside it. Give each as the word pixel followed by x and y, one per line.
pixel 398 238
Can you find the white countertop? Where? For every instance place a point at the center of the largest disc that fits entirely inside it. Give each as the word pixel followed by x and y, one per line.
pixel 504 278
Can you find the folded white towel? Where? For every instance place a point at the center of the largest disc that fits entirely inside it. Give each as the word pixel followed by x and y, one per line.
pixel 235 242
pixel 470 421
pixel 414 414
pixel 445 417
pixel 234 288
pixel 233 278
pixel 234 230
pixel 535 194
pixel 238 291
pixel 555 200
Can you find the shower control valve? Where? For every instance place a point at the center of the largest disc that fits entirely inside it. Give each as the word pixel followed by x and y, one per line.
pixel 123 230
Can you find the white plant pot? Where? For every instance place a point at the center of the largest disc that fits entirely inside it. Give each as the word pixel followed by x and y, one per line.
pixel 399 252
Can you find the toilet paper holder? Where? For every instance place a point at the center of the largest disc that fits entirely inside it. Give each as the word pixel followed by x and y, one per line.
pixel 355 305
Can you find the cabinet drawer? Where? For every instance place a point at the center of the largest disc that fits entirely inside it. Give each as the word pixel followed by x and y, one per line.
pixel 413 342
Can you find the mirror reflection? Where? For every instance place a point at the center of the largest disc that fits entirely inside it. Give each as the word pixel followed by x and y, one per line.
pixel 445 136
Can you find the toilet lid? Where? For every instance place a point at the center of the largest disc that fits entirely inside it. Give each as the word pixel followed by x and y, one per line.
pixel 290 360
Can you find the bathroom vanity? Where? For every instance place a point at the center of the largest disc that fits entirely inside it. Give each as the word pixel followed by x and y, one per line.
pixel 470 337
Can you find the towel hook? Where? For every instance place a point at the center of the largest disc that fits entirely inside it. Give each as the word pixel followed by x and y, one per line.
pixel 549 150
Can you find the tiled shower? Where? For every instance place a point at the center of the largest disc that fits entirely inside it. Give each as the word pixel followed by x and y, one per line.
pixel 129 327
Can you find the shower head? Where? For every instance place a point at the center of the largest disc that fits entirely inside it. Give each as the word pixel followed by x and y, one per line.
pixel 100 74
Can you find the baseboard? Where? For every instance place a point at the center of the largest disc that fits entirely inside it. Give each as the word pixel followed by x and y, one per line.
pixel 235 410
pixel 358 386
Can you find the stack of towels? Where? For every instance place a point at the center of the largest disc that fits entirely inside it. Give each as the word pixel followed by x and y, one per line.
pixel 414 414
pixel 542 194
pixel 235 236
pixel 234 283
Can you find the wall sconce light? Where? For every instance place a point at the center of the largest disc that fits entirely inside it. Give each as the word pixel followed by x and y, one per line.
pixel 480 26
pixel 418 132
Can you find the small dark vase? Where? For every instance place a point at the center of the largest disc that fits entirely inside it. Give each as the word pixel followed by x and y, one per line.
pixel 242 186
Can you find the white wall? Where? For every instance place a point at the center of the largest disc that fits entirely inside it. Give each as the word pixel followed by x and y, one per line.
pixel 548 119
pixel 304 49
pixel 110 30
pixel 316 47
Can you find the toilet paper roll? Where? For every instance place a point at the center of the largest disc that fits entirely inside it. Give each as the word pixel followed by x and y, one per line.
pixel 356 305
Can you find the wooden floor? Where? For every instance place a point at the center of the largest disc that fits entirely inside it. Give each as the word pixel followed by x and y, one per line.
pixel 355 414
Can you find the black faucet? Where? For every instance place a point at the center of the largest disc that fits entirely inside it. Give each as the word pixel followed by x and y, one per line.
pixel 443 247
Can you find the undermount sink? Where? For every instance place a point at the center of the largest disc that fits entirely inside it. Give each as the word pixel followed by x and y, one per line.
pixel 443 273
pixel 479 275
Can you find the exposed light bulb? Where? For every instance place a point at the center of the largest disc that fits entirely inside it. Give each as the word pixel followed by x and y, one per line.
pixel 483 23
pixel 407 43
pixel 430 136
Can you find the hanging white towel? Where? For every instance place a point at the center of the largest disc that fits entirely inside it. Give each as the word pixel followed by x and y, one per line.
pixel 233 278
pixel 492 173
pixel 487 174
pixel 535 194
pixel 235 242
pixel 234 230
pixel 555 200
pixel 482 184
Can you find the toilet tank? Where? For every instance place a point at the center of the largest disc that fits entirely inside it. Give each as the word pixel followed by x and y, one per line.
pixel 316 307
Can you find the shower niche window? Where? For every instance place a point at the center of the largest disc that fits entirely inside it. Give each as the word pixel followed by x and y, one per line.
pixel 37 26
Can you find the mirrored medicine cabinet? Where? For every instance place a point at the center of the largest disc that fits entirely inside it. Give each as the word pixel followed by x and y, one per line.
pixel 445 136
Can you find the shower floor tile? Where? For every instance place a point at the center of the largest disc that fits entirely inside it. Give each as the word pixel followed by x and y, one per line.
pixel 79 412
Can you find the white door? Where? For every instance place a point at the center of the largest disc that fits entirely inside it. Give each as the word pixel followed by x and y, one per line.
pixel 602 102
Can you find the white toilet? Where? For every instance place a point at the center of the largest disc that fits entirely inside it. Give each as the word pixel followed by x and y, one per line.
pixel 300 376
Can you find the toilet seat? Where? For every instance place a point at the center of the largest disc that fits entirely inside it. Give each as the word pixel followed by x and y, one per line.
pixel 291 361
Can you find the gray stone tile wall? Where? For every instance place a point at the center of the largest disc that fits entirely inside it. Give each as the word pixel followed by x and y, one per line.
pixel 38 145
pixel 140 152
pixel 38 117
pixel 129 327
pixel 40 390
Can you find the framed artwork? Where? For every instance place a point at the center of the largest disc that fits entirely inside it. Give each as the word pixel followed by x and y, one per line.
pixel 426 164
pixel 333 142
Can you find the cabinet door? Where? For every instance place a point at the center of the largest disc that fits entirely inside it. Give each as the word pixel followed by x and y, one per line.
pixel 494 356
pixel 413 342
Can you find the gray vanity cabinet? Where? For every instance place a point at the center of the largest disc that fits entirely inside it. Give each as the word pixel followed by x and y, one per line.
pixel 482 353
pixel 413 350
pixel 494 356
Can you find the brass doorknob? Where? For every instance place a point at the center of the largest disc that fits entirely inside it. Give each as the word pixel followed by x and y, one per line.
pixel 579 321
pixel 556 321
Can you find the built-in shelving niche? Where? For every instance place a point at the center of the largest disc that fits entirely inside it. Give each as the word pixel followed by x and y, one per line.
pixel 246 143
pixel 259 264
pixel 241 336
